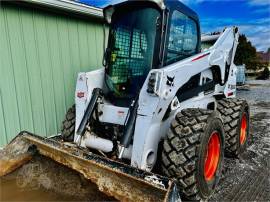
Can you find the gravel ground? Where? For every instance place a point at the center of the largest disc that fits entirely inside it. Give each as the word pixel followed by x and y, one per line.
pixel 243 179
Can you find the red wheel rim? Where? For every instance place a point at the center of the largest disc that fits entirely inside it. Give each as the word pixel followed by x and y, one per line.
pixel 243 131
pixel 212 156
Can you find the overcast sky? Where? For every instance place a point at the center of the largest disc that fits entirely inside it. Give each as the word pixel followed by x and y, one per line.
pixel 251 16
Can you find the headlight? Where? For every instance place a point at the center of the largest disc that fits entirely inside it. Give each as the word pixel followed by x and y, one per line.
pixel 154 83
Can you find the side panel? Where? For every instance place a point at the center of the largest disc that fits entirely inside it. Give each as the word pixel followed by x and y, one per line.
pixel 86 82
pixel 230 87
pixel 152 108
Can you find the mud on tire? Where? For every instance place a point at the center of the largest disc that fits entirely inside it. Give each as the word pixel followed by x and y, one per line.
pixel 185 151
pixel 68 125
pixel 233 111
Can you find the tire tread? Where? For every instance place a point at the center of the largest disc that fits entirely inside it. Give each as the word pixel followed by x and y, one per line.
pixel 230 110
pixel 180 149
pixel 68 125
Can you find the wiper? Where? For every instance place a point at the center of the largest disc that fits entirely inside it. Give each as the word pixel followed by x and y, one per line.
pixel 188 52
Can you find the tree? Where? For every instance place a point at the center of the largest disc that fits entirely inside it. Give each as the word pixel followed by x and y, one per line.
pixel 246 53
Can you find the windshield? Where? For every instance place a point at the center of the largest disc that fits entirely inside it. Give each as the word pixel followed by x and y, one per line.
pixel 130 50
pixel 183 38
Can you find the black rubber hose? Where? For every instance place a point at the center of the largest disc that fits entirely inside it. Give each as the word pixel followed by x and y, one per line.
pixel 129 127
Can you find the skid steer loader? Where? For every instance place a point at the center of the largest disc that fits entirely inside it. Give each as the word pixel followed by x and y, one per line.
pixel 156 121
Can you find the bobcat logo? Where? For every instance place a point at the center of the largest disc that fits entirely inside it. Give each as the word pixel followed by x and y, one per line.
pixel 170 81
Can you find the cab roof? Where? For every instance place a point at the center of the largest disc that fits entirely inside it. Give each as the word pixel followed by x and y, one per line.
pixel 178 5
pixel 161 4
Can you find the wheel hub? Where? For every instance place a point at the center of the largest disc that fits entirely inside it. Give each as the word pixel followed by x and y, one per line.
pixel 212 156
pixel 243 130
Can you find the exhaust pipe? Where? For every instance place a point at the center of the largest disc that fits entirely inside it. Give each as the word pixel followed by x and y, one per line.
pixel 97 143
pixel 104 145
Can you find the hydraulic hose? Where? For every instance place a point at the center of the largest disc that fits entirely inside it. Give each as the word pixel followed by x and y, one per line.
pixel 97 93
pixel 129 127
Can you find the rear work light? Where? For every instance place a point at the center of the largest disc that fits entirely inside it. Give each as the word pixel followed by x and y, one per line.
pixel 154 83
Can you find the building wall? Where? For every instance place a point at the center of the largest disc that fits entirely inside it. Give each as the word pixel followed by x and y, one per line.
pixel 41 54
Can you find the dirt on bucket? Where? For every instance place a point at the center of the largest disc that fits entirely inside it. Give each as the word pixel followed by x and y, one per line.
pixel 45 180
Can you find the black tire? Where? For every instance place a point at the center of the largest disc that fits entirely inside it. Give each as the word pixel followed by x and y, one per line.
pixel 185 149
pixel 68 125
pixel 232 111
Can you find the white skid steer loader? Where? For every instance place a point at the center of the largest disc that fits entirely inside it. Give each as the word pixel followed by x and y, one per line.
pixel 156 121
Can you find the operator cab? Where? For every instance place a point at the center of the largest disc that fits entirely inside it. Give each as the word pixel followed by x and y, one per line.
pixel 142 36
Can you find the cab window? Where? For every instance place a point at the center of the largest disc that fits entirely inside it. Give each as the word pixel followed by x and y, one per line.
pixel 183 38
